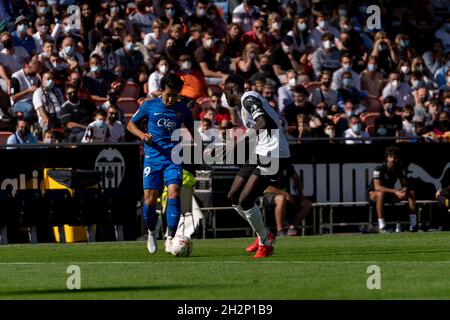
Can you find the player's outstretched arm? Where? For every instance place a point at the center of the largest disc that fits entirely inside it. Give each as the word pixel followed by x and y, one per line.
pixel 147 137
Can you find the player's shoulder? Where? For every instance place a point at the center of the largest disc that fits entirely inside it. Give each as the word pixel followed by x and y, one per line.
pixel 252 99
pixel 151 104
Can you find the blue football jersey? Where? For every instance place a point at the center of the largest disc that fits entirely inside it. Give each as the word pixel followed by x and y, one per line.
pixel 162 121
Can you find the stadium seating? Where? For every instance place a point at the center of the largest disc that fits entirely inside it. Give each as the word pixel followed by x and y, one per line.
pixel 131 90
pixel 4 137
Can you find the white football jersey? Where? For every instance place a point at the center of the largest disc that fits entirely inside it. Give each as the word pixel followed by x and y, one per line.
pixel 270 143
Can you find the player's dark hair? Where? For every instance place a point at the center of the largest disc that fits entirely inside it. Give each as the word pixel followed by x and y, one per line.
pixel 392 151
pixel 235 79
pixel 171 81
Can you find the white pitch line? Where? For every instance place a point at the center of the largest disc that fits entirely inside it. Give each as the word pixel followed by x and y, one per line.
pixel 224 262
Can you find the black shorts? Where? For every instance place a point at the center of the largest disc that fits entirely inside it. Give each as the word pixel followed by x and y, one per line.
pixel 258 168
pixel 269 201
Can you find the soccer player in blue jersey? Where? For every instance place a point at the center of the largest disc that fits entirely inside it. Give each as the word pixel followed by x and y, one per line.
pixel 164 115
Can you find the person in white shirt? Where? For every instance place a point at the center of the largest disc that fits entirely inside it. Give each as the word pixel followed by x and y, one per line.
pixel 116 129
pixel 156 40
pixel 41 34
pixel 97 131
pixel 355 131
pixel 12 57
pixel 346 63
pixel 69 55
pixel 246 14
pixel 285 93
pixel 400 90
pixel 443 34
pixel 154 81
pixel 47 101
pixel 323 26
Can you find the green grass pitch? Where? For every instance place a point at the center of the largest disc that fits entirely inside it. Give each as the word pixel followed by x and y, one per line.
pixel 413 266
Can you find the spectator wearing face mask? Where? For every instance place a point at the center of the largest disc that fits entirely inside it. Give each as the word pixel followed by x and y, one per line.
pixel 440 75
pixel 41 34
pixel 76 114
pixel 103 49
pixel 434 58
pixel 128 60
pixel 349 111
pixel 194 85
pixel 49 137
pixel 315 39
pixel 408 124
pixel 329 130
pixel 200 16
pixel 421 96
pixel 258 36
pixel 69 55
pixel 285 92
pixel 22 135
pixel 322 112
pixel 300 33
pixel 324 93
pixel 355 131
pixel 97 131
pixel 246 14
pixel 371 78
pixel 405 51
pixel 265 70
pixel 23 84
pixel 400 90
pixel 404 70
pixel 20 36
pixel 326 57
pixel 98 80
pixel 154 81
pixel 113 101
pixel 385 54
pixel 218 23
pixel 300 105
pixel 285 58
pixel 141 20
pixel 248 64
pixel 348 92
pixel 205 58
pixel 47 101
pixel 346 66
pixel 443 34
pixel 98 32
pixel 116 128
pixel 388 119
pixel 12 57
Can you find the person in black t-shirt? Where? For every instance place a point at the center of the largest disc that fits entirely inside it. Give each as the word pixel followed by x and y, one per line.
pixel 382 188
pixel 285 195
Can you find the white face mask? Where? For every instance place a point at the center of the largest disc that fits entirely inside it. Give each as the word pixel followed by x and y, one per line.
pixel 322 24
pixel 395 83
pixel 327 44
pixel 405 69
pixel 163 69
pixel 276 25
pixel 208 43
pixel 186 65
pixel 292 82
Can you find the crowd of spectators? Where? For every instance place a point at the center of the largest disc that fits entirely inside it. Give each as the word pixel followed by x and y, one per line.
pixel 77 75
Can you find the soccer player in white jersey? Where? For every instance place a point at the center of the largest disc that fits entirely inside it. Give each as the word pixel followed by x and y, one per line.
pixel 272 151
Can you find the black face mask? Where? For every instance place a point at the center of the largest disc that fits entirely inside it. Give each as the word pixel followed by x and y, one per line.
pixel 444 123
pixel 100 26
pixel 266 68
pixel 141 6
pixel 24 132
pixel 409 118
pixel 347 43
pixel 8 44
pixel 73 97
pixel 112 100
pixel 77 84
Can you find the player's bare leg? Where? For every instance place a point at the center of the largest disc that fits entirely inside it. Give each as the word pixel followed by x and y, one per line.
pixel 280 211
pixel 254 217
pixel 151 218
pixel 233 195
pixel 412 210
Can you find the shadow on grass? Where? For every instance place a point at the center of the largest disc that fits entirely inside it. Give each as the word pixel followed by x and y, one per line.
pixel 108 289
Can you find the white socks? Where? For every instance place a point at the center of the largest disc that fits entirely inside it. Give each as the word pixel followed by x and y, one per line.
pixel 413 220
pixel 255 220
pixel 239 210
pixel 381 223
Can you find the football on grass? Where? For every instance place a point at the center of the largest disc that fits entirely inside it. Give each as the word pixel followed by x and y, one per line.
pixel 181 246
